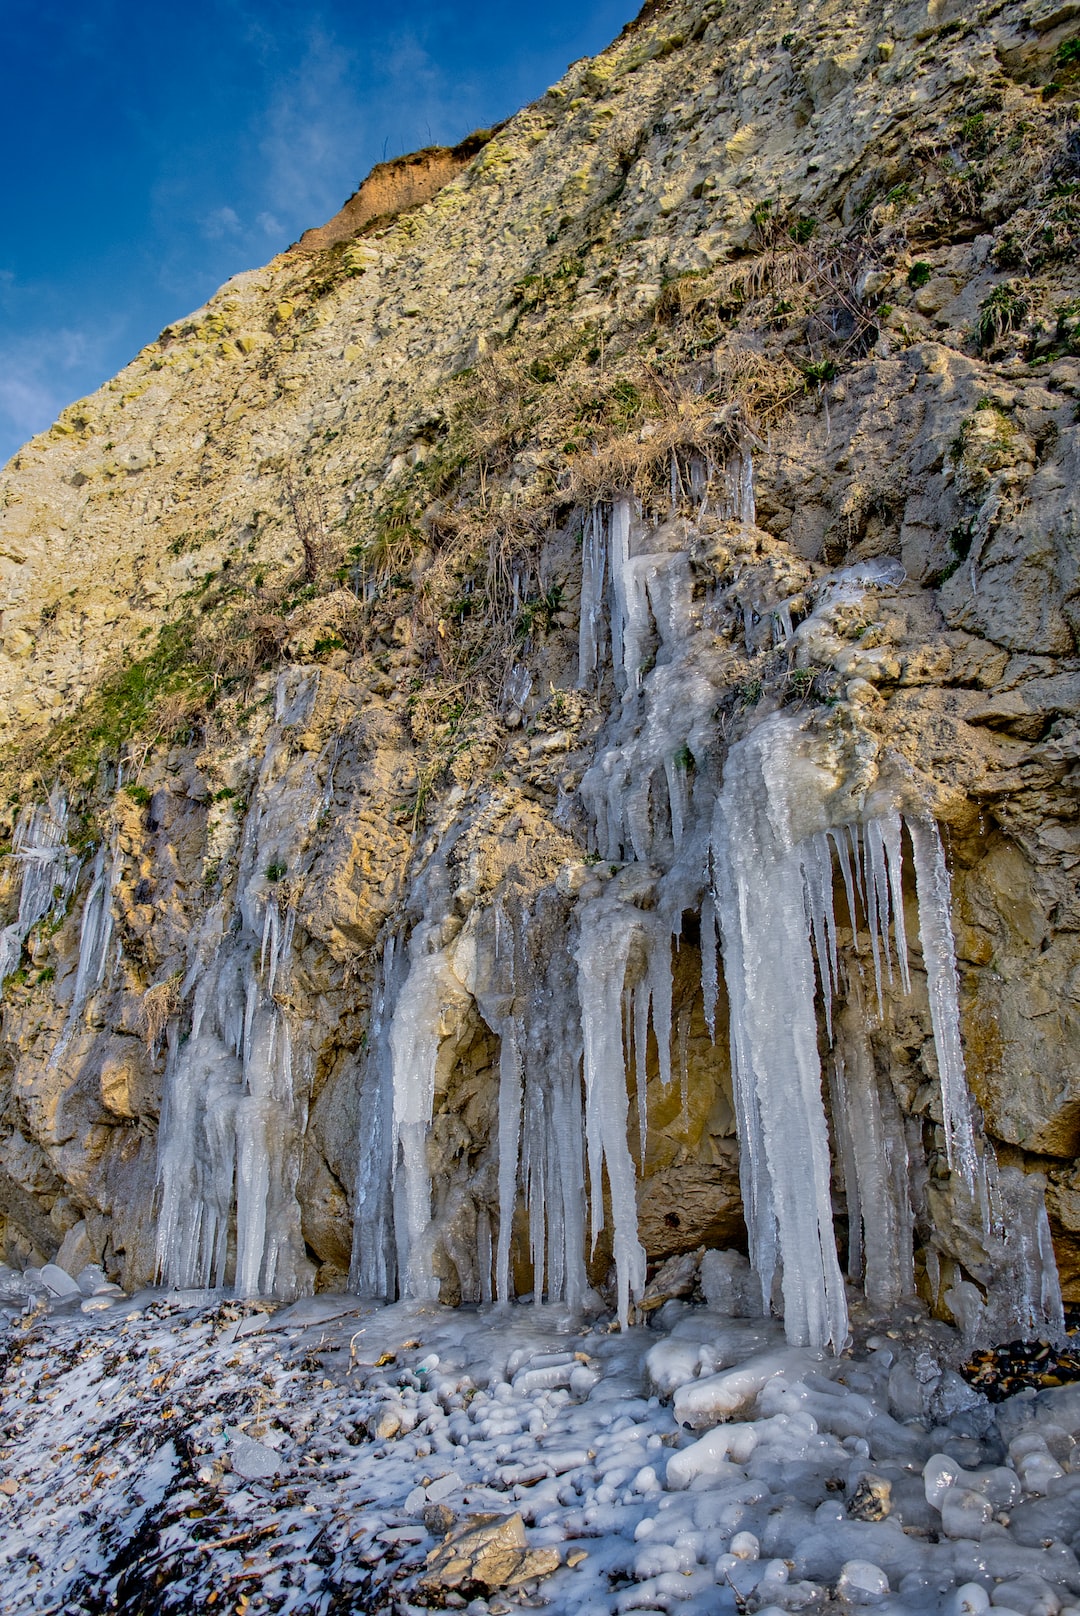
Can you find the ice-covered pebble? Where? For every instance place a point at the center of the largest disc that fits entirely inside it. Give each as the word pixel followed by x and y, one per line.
pixel 1035 1464
pixel 964 1513
pixel 701 1403
pixel 58 1282
pixel 250 1459
pixel 970 1599
pixel 91 1279
pixel 862 1583
pixel 744 1546
pixel 939 1474
pixel 711 1455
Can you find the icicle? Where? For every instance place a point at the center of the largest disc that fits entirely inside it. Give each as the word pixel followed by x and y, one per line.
pixel 619 561
pixel 607 931
pixel 871 1119
pixel 642 999
pixel 892 848
pixel 709 975
pixel 534 1171
pixel 414 1045
pixel 637 623
pixel 1027 1291
pixel 509 1146
pixel 838 1104
pixel 483 1252
pixel 768 961
pixel 782 626
pixel 749 617
pixel 675 771
pixel 593 568
pixel 840 840
pixel 877 925
pixel 874 838
pixel 683 1034
pixel 373 1268
pixel 660 988
pixel 939 960
pixel 818 887
pixel 747 510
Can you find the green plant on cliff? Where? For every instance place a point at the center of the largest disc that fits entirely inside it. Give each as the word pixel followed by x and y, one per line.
pixel 1001 311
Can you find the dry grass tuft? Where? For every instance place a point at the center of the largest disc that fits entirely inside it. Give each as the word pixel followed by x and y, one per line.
pixel 160 1004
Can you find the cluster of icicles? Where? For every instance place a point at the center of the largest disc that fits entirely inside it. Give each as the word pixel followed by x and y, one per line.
pixel 758 854
pixel 762 850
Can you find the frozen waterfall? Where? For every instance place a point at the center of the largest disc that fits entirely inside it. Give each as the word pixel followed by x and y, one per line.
pixel 237 1085
pixel 789 850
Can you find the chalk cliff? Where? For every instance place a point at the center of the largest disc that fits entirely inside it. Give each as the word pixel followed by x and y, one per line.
pixel 383 650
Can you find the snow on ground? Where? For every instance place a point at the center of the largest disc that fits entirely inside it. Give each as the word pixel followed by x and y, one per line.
pixel 175 1451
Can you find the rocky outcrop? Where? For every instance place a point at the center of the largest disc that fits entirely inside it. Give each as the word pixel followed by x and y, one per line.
pixel 839 246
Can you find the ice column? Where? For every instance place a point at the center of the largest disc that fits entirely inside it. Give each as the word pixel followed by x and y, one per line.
pixel 548 1036
pixel 593 570
pixel 608 930
pixel 374 1262
pixel 761 819
pixel 939 959
pixel 510 1073
pixel 415 1033
pixel 875 1159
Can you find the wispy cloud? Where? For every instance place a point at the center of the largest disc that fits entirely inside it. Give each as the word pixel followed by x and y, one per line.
pixel 41 374
pixel 221 222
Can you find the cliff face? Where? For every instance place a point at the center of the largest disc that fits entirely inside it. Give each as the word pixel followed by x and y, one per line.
pixel 301 618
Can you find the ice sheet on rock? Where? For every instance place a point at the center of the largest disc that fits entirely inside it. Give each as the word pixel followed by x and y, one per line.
pixel 476 1411
pixel 95 940
pixel 48 870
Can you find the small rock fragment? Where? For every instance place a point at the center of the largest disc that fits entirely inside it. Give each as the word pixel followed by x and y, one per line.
pixel 871 1500
pixel 484 1553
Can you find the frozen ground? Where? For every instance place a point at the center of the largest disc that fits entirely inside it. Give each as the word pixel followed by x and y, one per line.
pixel 178 1452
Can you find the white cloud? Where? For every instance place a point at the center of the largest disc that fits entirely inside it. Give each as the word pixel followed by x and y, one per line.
pixel 42 374
pixel 221 222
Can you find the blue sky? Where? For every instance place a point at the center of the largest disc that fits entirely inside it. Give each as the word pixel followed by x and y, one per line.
pixel 151 150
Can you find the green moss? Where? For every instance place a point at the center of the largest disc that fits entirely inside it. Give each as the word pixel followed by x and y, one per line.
pixel 276 872
pixel 138 794
pixel 127 703
pixel 919 274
